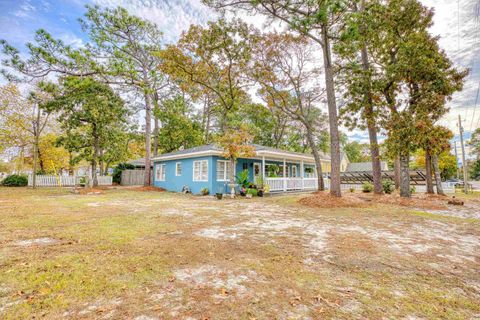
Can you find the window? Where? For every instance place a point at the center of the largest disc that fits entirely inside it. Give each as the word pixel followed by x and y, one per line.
pixel 280 171
pixel 200 170
pixel 223 170
pixel 309 172
pixel 178 169
pixel 160 172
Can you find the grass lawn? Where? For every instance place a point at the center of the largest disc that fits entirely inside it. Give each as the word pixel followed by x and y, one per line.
pixel 157 255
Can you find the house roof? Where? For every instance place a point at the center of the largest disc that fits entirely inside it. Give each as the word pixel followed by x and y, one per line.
pixel 213 149
pixel 364 166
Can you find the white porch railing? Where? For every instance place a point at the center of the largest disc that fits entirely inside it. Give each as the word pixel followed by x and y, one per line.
pixel 291 184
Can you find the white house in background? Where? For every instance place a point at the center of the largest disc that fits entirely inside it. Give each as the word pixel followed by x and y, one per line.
pixel 365 166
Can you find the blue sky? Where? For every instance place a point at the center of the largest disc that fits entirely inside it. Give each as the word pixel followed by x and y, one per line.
pixel 456 23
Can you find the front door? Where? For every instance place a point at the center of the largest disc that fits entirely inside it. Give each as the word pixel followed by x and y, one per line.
pixel 257 170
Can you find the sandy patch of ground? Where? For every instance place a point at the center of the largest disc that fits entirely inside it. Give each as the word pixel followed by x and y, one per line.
pixel 36 242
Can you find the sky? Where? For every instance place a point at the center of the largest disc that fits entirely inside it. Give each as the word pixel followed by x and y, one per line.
pixel 456 23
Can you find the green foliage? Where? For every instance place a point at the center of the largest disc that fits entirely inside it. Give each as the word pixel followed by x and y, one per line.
pixel 92 116
pixel 273 170
pixel 357 152
pixel 117 171
pixel 475 170
pixel 242 179
pixel 204 191
pixel 413 189
pixel 388 186
pixel 252 191
pixel 179 129
pixel 367 187
pixel 474 142
pixel 15 180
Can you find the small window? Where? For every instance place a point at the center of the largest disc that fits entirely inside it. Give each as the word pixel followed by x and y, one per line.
pixel 223 170
pixel 178 169
pixel 200 170
pixel 160 172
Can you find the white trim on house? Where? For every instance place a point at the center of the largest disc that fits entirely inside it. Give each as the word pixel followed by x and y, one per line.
pixel 201 177
pixel 177 164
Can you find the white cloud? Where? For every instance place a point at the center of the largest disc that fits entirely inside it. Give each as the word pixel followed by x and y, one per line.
pixel 172 16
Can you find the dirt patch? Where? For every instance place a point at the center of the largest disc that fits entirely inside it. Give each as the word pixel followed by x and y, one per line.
pixel 149 188
pixel 36 242
pixel 422 201
pixel 323 199
pixel 90 191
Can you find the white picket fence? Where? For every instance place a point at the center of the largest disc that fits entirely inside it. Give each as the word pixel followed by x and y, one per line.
pixel 64 181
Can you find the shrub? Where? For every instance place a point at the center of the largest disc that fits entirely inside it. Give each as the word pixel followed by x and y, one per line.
pixel 117 171
pixel 242 178
pixel 205 191
pixel 352 190
pixel 388 186
pixel 367 187
pixel 15 180
pixel 253 192
pixel 412 189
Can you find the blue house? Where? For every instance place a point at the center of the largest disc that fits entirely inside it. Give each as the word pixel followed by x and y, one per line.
pixel 205 167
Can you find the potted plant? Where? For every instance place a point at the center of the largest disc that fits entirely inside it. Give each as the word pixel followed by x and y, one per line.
pixel 204 192
pixel 83 181
pixel 219 193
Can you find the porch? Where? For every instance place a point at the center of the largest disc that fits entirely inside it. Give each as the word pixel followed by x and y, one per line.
pixel 292 175
pixel 291 184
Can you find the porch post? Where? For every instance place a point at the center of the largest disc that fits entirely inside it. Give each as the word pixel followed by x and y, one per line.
pixel 263 168
pixel 284 175
pixel 301 174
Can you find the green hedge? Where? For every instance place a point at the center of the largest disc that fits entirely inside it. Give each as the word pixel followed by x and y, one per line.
pixel 15 180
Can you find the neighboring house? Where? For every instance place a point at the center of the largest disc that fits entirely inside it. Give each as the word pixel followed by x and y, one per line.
pixel 205 167
pixel 365 166
pixel 343 161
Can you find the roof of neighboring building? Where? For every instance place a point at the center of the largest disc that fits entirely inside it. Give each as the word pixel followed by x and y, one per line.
pixel 364 166
pixel 213 149
pixel 138 162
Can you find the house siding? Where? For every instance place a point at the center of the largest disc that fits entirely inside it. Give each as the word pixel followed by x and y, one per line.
pixel 176 183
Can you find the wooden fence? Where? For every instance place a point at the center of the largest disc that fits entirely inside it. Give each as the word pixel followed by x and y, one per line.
pixel 64 181
pixel 133 177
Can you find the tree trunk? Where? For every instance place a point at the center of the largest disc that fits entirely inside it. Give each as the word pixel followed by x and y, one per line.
pixel 396 171
pixel 96 149
pixel 428 172
pixel 438 178
pixel 316 156
pixel 369 115
pixel 36 132
pixel 35 160
pixel 332 115
pixel 404 176
pixel 100 162
pixel 155 136
pixel 148 131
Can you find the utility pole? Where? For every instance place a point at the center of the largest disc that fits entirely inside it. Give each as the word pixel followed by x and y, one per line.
pixel 465 186
pixel 456 158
